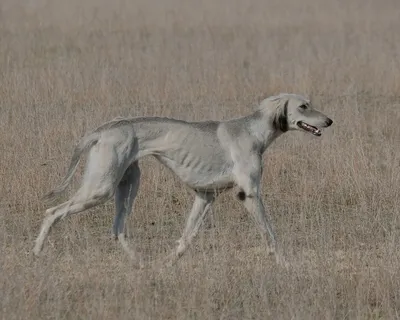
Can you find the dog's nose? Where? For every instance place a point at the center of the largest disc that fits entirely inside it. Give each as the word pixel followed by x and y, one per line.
pixel 329 122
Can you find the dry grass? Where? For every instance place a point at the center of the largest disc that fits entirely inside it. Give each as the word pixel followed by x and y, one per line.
pixel 67 66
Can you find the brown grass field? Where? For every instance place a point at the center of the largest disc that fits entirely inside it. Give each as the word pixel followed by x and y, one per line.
pixel 68 66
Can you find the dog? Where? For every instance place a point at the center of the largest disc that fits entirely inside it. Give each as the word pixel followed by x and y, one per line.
pixel 209 157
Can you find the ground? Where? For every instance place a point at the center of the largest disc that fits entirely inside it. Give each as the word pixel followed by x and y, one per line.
pixel 68 66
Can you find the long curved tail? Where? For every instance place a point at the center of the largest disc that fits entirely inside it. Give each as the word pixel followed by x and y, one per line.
pixel 84 145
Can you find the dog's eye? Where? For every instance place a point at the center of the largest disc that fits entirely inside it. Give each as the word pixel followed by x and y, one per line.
pixel 303 106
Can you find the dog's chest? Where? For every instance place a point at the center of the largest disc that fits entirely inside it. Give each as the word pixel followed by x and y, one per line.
pixel 198 168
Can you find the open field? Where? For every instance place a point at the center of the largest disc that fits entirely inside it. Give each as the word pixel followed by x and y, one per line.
pixel 68 66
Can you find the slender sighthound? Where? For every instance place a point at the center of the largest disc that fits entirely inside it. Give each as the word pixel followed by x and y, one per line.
pixel 209 157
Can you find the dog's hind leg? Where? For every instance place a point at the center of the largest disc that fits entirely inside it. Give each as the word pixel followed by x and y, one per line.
pixel 70 207
pixel 124 197
pixel 101 177
pixel 48 221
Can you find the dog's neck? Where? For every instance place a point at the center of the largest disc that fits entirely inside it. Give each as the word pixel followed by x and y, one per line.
pixel 263 130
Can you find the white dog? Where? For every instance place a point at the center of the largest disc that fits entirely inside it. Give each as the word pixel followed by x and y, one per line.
pixel 209 157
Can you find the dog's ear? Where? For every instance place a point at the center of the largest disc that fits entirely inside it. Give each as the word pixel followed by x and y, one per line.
pixel 281 120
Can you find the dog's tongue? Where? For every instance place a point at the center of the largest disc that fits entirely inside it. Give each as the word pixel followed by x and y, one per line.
pixel 313 129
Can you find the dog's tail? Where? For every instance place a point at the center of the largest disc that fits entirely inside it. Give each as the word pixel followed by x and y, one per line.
pixel 83 145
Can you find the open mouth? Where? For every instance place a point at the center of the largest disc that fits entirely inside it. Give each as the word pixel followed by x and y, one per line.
pixel 305 126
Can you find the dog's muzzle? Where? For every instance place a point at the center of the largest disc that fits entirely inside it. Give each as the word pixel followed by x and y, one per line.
pixel 314 130
pixel 309 128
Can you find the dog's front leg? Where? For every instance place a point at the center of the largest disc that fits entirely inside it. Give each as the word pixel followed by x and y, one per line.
pixel 248 180
pixel 256 207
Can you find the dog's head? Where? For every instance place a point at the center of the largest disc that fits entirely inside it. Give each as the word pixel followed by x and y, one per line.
pixel 295 112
